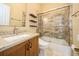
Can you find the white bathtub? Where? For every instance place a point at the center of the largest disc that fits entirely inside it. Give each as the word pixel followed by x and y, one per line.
pixel 55 47
pixel 57 50
pixel 54 40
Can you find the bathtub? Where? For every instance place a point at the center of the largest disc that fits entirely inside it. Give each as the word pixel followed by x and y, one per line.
pixel 56 47
pixel 54 40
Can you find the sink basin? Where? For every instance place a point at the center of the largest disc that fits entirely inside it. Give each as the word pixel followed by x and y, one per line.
pixel 17 37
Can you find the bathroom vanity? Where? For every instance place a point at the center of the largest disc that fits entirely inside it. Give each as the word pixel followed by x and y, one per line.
pixel 23 47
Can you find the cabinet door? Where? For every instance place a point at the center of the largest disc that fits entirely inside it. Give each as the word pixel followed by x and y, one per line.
pixel 31 48
pixel 18 50
pixel 36 44
pixel 34 47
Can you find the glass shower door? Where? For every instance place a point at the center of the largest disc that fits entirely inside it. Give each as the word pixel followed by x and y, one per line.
pixel 55 24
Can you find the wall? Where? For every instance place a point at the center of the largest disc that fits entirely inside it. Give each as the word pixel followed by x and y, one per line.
pixel 75 23
pixel 33 8
pixel 50 6
pixel 17 13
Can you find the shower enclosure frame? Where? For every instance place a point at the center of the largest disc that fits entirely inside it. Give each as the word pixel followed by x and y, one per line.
pixel 40 23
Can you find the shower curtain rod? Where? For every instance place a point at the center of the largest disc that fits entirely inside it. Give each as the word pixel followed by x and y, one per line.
pixel 55 9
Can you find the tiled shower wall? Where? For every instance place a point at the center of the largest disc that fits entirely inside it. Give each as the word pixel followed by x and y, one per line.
pixel 55 23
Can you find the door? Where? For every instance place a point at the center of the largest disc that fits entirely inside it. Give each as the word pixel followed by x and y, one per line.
pixel 34 47
pixel 36 44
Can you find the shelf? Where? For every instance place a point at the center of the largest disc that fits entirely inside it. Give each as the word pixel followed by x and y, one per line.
pixel 33 15
pixel 33 26
pixel 33 21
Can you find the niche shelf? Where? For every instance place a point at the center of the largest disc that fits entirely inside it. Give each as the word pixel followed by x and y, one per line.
pixel 33 21
pixel 33 26
pixel 32 15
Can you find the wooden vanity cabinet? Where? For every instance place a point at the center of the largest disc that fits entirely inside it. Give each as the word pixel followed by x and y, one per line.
pixel 27 48
pixel 18 50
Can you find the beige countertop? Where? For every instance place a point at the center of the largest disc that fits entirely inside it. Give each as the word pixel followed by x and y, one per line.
pixel 4 44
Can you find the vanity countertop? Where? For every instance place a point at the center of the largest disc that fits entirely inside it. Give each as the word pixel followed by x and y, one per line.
pixel 6 43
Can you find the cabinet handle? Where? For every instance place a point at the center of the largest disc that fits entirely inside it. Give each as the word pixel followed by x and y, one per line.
pixel 30 44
